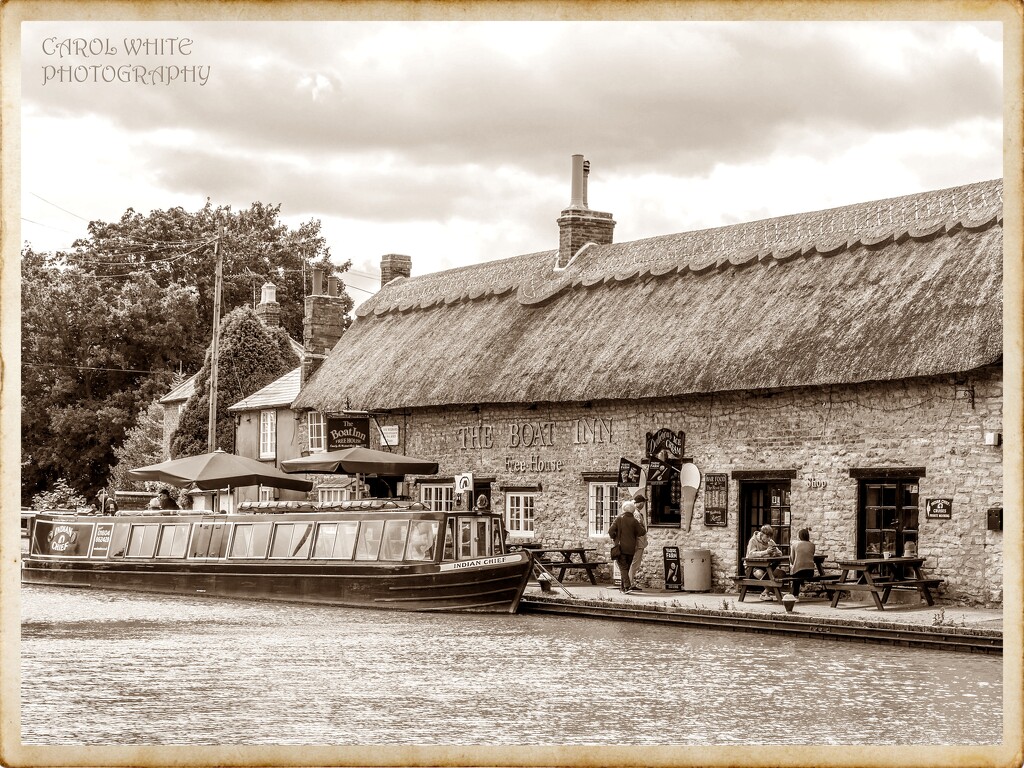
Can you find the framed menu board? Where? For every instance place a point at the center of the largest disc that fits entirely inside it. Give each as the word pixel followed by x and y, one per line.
pixel 716 500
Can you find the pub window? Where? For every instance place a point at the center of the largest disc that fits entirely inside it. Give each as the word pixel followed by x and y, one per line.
pixel 368 542
pixel 603 506
pixel 316 432
pixel 268 434
pixel 439 498
pixel 173 541
pixel 119 540
pixel 764 502
pixel 142 541
pixel 519 509
pixel 292 540
pixel 422 537
pixel 888 516
pixel 251 540
pixel 393 544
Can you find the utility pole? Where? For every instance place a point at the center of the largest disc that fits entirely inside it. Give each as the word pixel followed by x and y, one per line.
pixel 211 435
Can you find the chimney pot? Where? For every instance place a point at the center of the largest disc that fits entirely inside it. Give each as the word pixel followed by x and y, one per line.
pixel 577 200
pixel 269 293
pixel 333 286
pixel 318 281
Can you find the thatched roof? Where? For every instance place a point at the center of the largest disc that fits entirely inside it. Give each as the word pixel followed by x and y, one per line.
pixel 891 289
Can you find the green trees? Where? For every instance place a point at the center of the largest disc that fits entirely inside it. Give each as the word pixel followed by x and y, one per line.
pixel 143 445
pixel 105 324
pixel 251 356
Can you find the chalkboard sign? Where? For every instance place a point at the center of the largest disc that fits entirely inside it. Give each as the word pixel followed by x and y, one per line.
pixel 347 433
pixel 673 573
pixel 941 509
pixel 629 474
pixel 716 500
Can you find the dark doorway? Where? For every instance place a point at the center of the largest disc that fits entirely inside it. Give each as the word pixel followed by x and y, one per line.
pixel 763 502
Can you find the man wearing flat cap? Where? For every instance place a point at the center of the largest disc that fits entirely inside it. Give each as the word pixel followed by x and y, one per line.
pixel 639 510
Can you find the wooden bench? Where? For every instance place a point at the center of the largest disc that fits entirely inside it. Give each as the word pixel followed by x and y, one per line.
pixel 562 567
pixel 746 583
pixel 923 586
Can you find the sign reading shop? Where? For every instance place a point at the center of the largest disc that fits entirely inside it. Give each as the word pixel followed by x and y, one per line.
pixel 345 432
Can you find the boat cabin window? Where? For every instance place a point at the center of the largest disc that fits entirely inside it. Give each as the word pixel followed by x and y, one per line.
pixel 292 540
pixel 395 533
pixel 119 540
pixel 173 540
pixel 335 541
pixel 142 541
pixel 474 537
pixel 449 539
pixel 369 539
pixel 209 540
pixel 422 537
pixel 251 540
pixel 497 537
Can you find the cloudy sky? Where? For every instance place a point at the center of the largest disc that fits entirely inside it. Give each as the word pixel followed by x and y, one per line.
pixel 451 142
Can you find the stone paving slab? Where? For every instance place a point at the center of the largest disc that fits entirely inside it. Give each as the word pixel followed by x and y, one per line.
pixel 908 613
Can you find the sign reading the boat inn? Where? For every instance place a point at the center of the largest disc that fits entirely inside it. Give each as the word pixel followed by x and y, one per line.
pixel 716 500
pixel 941 509
pixel 347 432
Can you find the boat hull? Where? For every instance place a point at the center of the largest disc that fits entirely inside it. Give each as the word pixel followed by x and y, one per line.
pixel 490 587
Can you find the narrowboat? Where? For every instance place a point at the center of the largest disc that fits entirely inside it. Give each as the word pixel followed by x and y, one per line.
pixel 369 553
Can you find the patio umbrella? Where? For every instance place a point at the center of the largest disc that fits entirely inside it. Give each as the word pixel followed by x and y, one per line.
pixel 359 460
pixel 211 471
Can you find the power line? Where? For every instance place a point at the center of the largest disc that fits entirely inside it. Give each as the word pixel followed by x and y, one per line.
pixel 58 207
pixel 91 368
pixel 47 226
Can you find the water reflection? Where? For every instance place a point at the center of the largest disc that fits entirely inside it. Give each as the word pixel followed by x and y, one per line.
pixel 117 668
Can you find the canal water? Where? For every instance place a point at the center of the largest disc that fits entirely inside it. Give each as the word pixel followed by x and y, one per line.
pixel 108 668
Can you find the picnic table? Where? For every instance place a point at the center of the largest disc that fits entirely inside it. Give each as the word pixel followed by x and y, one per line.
pixel 566 558
pixel 748 580
pixel 767 581
pixel 878 576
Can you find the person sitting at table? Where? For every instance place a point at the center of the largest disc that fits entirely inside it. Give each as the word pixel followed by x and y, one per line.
pixel 801 560
pixel 762 544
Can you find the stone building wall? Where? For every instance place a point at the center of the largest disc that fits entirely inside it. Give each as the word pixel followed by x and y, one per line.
pixel 820 432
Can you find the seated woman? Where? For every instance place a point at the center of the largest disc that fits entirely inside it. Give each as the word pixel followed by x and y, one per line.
pixel 762 544
pixel 801 560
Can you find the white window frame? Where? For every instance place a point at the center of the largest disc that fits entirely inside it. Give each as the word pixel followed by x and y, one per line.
pixel 316 432
pixel 268 434
pixel 602 501
pixel 525 503
pixel 439 497
pixel 266 494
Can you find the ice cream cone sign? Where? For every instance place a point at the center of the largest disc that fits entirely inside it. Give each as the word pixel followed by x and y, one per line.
pixel 689 480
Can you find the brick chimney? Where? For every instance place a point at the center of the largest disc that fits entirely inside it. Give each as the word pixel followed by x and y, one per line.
pixel 394 265
pixel 268 310
pixel 578 225
pixel 322 323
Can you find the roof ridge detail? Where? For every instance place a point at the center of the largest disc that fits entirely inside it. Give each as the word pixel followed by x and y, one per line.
pixel 829 232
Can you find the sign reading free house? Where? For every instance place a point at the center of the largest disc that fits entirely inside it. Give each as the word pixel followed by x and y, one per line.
pixel 347 433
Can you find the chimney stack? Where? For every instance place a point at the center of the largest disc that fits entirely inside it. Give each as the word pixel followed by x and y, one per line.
pixel 323 323
pixel 578 225
pixel 268 310
pixel 393 265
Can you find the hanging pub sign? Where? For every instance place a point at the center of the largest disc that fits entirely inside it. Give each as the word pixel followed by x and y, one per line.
pixel 347 432
pixel 629 474
pixel 941 509
pixel 665 440
pixel 716 500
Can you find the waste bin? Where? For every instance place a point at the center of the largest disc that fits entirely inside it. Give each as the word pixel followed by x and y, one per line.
pixel 696 570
